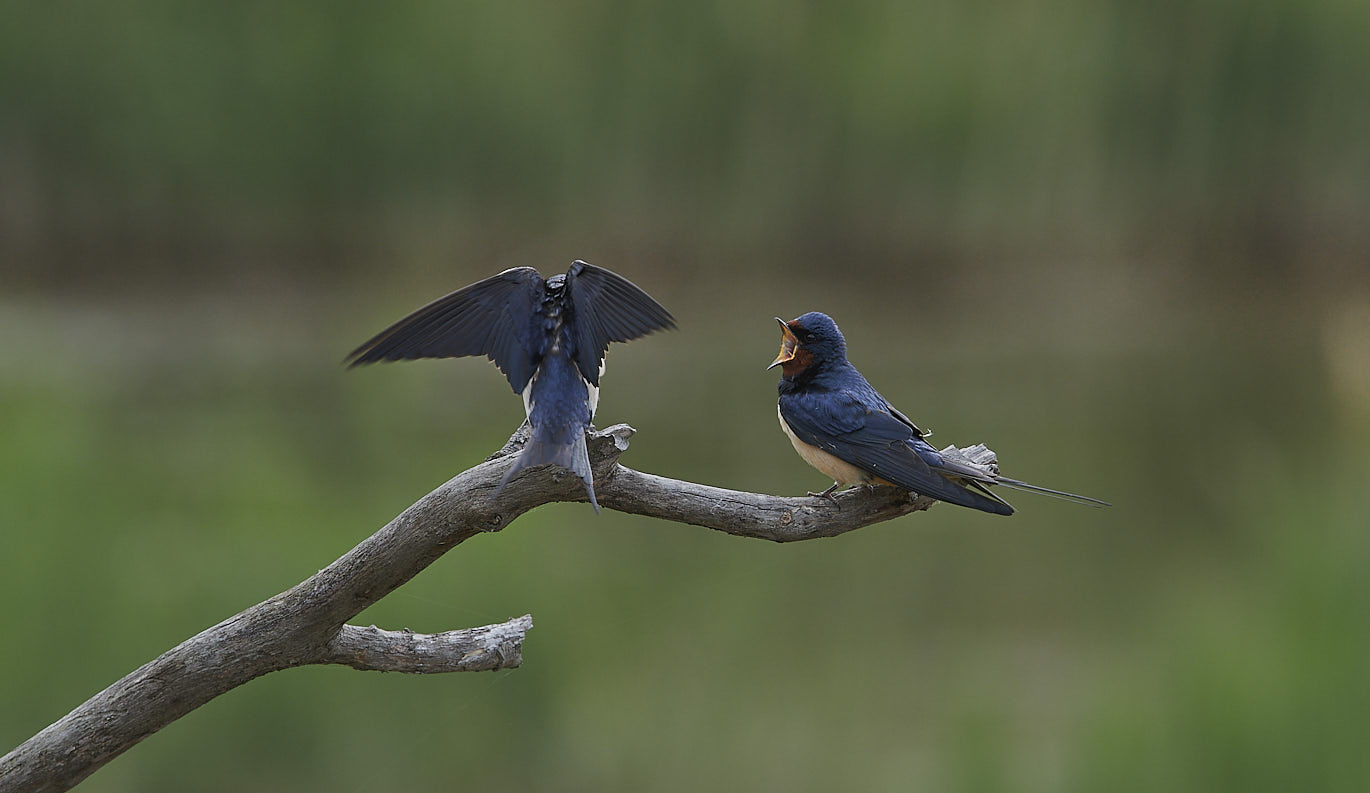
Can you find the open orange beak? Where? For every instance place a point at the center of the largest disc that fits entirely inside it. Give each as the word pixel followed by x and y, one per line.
pixel 788 343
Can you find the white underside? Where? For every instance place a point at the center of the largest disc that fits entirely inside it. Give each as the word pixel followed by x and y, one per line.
pixel 841 471
pixel 594 389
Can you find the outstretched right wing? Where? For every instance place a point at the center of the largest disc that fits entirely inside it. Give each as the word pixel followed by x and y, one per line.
pixel 494 317
pixel 608 307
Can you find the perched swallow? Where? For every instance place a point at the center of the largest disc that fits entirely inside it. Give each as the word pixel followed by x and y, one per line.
pixel 547 336
pixel 842 426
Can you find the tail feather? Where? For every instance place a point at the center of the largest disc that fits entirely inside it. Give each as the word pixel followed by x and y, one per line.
pixel 1046 491
pixel 573 456
pixel 998 505
pixel 980 476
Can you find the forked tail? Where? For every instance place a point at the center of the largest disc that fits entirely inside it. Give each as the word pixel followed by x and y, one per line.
pixel 542 450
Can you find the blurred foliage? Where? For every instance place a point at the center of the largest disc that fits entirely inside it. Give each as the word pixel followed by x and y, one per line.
pixel 249 135
pixel 1124 245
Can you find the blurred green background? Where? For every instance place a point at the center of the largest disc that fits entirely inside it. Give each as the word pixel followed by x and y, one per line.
pixel 1126 245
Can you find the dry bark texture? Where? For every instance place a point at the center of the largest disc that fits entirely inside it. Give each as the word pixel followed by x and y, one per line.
pixel 307 624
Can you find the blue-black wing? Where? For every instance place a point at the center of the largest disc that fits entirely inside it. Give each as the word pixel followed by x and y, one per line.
pixel 878 443
pixel 494 317
pixel 607 307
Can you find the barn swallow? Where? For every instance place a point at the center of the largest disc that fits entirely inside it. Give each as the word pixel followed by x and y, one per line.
pixel 843 427
pixel 547 336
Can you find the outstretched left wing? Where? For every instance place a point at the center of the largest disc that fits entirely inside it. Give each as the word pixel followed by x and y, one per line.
pixel 493 317
pixel 608 307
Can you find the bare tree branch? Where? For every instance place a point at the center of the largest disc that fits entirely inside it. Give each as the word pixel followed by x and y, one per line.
pixel 765 517
pixel 471 650
pixel 307 623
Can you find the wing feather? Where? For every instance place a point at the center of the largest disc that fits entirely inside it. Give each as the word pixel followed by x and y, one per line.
pixel 877 443
pixel 492 317
pixel 607 307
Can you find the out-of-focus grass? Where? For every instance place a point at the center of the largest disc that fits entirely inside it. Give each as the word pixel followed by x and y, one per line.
pixel 1255 676
pixel 1207 633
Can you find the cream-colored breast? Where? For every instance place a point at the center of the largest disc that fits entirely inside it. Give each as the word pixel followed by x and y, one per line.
pixel 841 471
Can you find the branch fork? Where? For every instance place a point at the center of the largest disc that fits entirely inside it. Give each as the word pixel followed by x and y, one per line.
pixel 307 624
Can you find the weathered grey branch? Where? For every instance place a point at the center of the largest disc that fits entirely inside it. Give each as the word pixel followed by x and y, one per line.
pixel 765 517
pixel 307 623
pixel 471 650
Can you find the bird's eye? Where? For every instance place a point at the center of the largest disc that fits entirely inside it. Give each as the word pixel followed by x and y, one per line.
pixel 808 337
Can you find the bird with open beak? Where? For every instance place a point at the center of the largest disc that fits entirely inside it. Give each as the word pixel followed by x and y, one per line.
pixel 841 425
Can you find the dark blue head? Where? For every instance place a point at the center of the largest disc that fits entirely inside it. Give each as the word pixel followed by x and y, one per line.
pixel 809 344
